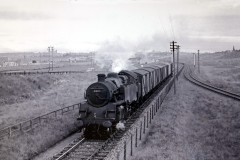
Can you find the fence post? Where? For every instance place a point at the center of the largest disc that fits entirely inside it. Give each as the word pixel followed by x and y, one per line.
pixel 152 111
pixel 144 124
pixel 147 119
pixel 10 131
pixel 140 136
pixel 156 105
pixel 40 120
pixel 31 124
pixel 150 115
pixel 136 137
pixel 155 109
pixel 20 127
pixel 131 145
pixel 125 150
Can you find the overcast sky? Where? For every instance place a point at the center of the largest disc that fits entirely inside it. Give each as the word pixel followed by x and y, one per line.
pixel 78 25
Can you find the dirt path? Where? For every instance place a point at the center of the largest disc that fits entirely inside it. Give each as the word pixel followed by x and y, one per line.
pixel 193 124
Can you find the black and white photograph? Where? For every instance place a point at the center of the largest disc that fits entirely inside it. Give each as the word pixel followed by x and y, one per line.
pixel 119 80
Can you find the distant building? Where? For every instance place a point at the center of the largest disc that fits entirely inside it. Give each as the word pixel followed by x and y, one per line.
pixel 34 61
pixel 9 64
pixel 3 60
pixel 135 60
pixel 233 49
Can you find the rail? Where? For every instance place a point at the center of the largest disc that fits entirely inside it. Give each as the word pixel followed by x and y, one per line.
pixel 29 125
pixel 69 149
pixel 189 75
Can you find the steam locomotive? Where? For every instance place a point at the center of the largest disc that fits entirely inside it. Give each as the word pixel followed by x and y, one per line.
pixel 115 96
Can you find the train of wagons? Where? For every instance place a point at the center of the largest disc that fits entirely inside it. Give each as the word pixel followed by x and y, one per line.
pixel 115 96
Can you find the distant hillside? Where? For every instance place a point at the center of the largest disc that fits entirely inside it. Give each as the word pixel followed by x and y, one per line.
pixel 227 54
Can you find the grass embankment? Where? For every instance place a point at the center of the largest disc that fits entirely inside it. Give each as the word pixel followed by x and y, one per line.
pixel 26 97
pixel 28 145
pixel 222 70
pixel 35 95
pixel 196 123
pixel 16 89
pixel 193 124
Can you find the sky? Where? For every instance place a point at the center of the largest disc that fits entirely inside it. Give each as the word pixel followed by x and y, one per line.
pixel 118 25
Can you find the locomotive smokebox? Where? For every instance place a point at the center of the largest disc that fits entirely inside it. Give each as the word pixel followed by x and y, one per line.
pixel 101 77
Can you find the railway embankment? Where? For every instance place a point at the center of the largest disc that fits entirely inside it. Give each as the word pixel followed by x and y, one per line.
pixel 62 91
pixel 221 70
pixel 27 96
pixel 195 123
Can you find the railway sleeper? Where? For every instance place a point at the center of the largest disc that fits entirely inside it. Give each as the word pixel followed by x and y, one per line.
pixel 102 154
pixel 75 155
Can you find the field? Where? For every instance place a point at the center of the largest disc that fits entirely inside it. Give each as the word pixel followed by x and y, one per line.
pixel 195 123
pixel 25 97
pixel 222 70
pixel 44 67
pixel 34 95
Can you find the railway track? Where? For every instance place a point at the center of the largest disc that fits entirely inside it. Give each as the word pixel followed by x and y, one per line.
pixel 98 150
pixel 190 76
pixel 80 148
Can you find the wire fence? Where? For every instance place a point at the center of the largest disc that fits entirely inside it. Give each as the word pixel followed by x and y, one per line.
pixel 37 72
pixel 29 125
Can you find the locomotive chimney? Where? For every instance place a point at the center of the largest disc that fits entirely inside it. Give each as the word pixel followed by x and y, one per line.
pixel 101 77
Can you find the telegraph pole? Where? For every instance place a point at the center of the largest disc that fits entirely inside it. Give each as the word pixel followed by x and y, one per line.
pixel 178 48
pixel 173 47
pixel 92 63
pixel 194 59
pixel 50 51
pixel 52 57
pixel 198 62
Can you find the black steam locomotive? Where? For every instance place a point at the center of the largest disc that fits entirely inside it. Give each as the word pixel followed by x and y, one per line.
pixel 116 96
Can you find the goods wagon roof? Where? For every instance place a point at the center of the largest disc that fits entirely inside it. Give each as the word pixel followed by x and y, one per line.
pixel 152 66
pixel 141 72
pixel 164 63
pixel 134 75
pixel 148 69
pixel 160 66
